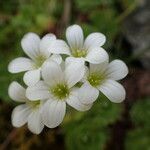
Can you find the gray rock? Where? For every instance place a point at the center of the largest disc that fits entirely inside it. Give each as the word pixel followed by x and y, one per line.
pixel 137 32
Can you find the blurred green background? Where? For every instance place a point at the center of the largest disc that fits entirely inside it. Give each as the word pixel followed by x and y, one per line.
pixel 107 126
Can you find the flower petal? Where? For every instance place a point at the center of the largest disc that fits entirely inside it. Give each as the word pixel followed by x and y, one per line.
pixel 85 77
pixel 70 59
pixel 99 68
pixel 38 91
pixel 52 73
pixel 20 115
pixel 59 47
pixel 45 43
pixel 74 101
pixel 20 64
pixel 57 58
pixel 35 124
pixel 113 90
pixel 17 92
pixel 87 94
pixel 97 55
pixel 94 40
pixel 117 70
pixel 30 44
pixel 74 72
pixel 53 112
pixel 74 35
pixel 32 77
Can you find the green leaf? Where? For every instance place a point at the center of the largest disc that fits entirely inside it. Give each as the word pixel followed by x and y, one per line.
pixel 90 130
pixel 139 137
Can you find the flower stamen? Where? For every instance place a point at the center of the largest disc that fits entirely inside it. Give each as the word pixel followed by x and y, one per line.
pixel 78 53
pixel 95 79
pixel 60 91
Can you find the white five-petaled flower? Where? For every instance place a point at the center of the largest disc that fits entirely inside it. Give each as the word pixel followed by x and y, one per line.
pixel 89 50
pixel 58 88
pixel 29 112
pixel 103 77
pixel 38 52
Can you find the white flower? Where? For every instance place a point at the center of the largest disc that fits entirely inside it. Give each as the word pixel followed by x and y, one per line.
pixel 89 50
pixel 58 88
pixel 25 113
pixel 38 51
pixel 103 77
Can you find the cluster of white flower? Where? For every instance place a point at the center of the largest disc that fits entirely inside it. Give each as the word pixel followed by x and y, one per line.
pixel 53 81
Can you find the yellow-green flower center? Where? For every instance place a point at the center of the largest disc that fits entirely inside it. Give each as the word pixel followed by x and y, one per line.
pixel 60 91
pixel 95 79
pixel 34 104
pixel 39 61
pixel 78 53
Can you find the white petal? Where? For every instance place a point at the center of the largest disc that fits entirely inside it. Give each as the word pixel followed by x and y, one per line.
pixel 35 124
pixel 74 101
pixel 70 59
pixel 17 92
pixel 74 35
pixel 38 92
pixel 87 93
pixel 53 112
pixel 97 55
pixel 45 43
pixel 32 77
pixel 74 72
pixel 57 58
pixel 30 44
pixel 94 40
pixel 59 47
pixel 20 115
pixel 87 71
pixel 62 65
pixel 52 73
pixel 117 70
pixel 98 68
pixel 20 64
pixel 113 90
